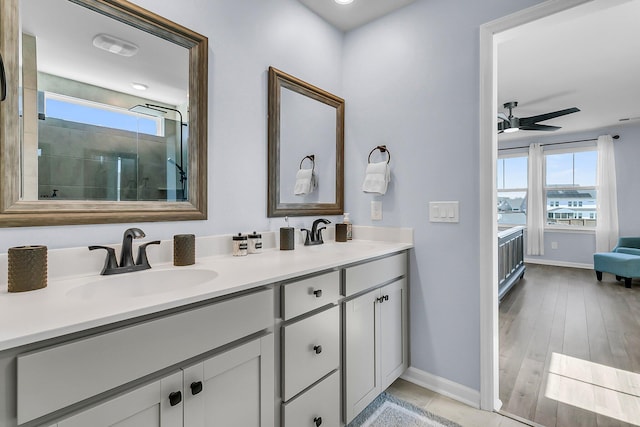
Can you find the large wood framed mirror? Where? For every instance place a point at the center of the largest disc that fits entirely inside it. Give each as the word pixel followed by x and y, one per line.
pixel 306 148
pixel 105 119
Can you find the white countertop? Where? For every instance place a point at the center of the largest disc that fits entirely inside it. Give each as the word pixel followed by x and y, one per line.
pixel 50 312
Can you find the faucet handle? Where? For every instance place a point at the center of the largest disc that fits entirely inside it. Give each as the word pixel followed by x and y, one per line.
pixel 320 234
pixel 306 240
pixel 142 253
pixel 110 262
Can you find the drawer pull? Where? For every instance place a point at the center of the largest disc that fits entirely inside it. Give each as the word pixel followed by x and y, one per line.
pixel 317 349
pixel 196 387
pixel 175 398
pixel 318 293
pixel 318 421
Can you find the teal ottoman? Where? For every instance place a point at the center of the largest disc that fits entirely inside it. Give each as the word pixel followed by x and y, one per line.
pixel 624 266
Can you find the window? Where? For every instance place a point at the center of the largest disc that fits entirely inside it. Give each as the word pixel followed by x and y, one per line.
pixel 570 187
pixel 512 190
pixel 96 114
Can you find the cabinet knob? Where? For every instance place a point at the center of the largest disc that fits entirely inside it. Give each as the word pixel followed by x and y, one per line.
pixel 196 387
pixel 317 421
pixel 317 349
pixel 175 398
pixel 318 293
pixel 386 297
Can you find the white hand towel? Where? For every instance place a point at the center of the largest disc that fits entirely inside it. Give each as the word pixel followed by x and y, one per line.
pixel 305 182
pixel 377 177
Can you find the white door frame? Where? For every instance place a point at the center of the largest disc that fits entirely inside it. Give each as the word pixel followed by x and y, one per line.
pixel 490 34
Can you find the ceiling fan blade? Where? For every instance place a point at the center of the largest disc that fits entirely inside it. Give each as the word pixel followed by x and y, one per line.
pixel 536 126
pixel 503 116
pixel 547 116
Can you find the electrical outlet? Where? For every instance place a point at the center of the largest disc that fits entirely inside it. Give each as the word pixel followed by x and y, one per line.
pixel 554 245
pixel 376 210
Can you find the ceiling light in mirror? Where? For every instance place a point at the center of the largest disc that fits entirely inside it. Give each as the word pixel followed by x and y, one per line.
pixel 139 86
pixel 344 1
pixel 115 45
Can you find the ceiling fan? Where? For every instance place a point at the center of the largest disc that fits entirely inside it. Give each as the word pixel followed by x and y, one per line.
pixel 513 124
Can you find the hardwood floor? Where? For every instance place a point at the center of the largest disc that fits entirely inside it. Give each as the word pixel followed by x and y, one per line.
pixel 570 349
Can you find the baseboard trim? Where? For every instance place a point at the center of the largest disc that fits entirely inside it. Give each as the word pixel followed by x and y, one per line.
pixel 558 263
pixel 443 386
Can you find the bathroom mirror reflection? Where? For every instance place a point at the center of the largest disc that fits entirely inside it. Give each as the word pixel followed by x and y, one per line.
pixel 110 117
pixel 306 148
pixel 110 112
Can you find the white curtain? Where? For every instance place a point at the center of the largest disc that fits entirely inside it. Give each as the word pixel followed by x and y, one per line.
pixel 607 197
pixel 535 201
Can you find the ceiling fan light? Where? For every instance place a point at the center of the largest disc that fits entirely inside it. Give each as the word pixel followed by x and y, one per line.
pixel 511 130
pixel 343 1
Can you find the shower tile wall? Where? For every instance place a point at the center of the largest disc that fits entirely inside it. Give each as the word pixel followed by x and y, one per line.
pixel 80 162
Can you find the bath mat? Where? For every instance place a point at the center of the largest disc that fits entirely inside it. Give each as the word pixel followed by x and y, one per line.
pixel 389 411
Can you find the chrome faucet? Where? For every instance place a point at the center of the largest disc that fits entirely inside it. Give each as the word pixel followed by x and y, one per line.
pixel 126 255
pixel 314 237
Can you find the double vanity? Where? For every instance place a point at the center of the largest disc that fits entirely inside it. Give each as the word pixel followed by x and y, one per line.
pixel 284 338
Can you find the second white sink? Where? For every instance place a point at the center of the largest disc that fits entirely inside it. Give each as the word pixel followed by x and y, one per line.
pixel 142 283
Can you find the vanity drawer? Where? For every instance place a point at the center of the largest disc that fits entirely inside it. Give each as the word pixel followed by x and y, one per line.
pixel 308 294
pixel 56 377
pixel 311 349
pixel 321 401
pixel 365 276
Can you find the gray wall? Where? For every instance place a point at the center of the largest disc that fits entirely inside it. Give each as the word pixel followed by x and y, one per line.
pixel 412 82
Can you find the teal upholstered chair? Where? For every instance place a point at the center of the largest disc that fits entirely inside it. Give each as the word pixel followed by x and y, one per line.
pixel 623 261
pixel 628 245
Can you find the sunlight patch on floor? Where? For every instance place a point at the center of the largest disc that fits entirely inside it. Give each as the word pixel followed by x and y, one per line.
pixel 608 391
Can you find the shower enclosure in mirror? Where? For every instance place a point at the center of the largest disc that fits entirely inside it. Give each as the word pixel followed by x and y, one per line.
pixel 110 106
pixel 101 133
pixel 306 148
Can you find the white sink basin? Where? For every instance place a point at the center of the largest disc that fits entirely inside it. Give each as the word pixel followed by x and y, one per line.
pixel 141 283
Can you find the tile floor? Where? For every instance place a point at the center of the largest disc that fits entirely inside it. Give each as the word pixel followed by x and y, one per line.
pixel 448 408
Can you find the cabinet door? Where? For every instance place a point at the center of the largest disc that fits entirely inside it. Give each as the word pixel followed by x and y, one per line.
pixel 360 346
pixel 147 406
pixel 393 346
pixel 236 390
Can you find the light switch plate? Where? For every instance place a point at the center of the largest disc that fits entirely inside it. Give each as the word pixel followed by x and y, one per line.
pixel 444 211
pixel 376 210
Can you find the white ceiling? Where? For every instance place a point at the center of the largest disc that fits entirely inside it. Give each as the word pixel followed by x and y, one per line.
pixel 349 16
pixel 587 57
pixel 161 65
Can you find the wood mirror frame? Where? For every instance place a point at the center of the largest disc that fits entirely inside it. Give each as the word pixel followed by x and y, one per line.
pixel 16 213
pixel 275 208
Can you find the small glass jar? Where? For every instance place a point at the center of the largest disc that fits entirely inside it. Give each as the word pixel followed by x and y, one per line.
pixel 240 245
pixel 255 243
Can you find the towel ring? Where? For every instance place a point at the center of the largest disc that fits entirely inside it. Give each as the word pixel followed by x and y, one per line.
pixel 382 149
pixel 311 157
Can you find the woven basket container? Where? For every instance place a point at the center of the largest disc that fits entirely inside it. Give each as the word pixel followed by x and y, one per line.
pixel 27 268
pixel 184 249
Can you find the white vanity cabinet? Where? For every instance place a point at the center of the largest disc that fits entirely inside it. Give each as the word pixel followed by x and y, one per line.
pixel 63 375
pixel 375 328
pixel 234 388
pixel 310 352
pixel 147 406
